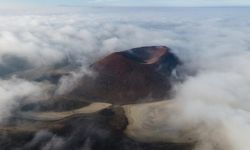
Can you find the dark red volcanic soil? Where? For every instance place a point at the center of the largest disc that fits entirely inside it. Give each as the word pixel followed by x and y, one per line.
pixel 121 78
pixel 130 76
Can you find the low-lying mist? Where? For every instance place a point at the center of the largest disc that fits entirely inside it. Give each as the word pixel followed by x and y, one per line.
pixel 213 44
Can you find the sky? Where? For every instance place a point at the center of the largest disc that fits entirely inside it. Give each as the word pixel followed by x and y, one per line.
pixel 6 3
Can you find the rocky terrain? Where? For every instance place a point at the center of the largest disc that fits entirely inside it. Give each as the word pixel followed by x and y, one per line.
pixel 106 110
pixel 130 76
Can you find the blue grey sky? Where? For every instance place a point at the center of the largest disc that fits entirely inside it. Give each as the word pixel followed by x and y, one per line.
pixel 125 2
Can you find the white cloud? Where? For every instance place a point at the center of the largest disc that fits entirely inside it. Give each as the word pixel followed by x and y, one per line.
pixel 213 44
pixel 14 91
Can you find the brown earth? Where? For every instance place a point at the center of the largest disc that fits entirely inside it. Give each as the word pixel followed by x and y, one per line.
pixel 130 76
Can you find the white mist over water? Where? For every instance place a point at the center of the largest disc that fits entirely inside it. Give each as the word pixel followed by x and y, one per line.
pixel 213 43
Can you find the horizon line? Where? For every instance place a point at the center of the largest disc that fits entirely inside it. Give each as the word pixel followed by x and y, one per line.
pixel 119 6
